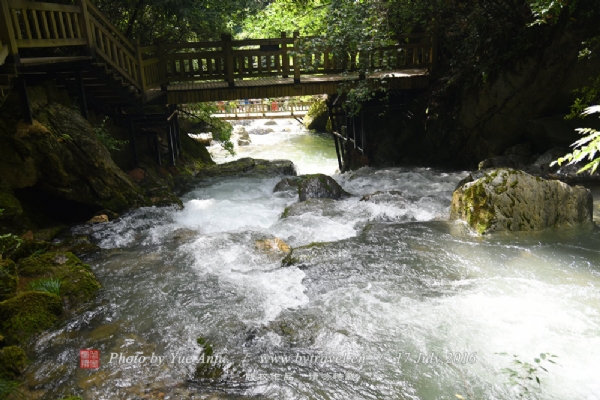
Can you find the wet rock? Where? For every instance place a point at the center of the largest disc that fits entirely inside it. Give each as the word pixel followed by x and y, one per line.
pixel 287 184
pixel 250 166
pixel 319 186
pixel 512 200
pixel 271 122
pixel 272 245
pixel 243 138
pixel 261 131
pixel 303 255
pixel 79 245
pixel 383 197
pixel 324 207
pixel 98 219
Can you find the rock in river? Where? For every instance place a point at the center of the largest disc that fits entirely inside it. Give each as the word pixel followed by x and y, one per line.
pixel 512 200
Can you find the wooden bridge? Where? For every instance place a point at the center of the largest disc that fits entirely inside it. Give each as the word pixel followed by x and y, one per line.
pixel 81 50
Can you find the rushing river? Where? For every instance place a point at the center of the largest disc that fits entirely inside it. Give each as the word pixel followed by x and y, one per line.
pixel 390 302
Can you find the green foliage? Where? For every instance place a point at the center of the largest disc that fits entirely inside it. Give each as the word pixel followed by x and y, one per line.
pixel 585 148
pixel 587 95
pixel 221 130
pixel 524 377
pixel 9 244
pixel 309 18
pixel 177 20
pixel 10 388
pixel 106 139
pixel 50 285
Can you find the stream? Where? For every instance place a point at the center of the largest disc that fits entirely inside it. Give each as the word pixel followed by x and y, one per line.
pixel 390 301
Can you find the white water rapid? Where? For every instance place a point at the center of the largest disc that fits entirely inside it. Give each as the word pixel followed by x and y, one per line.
pixel 389 302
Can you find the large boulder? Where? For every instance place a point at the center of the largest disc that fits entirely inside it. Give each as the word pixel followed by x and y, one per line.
pixel 512 200
pixel 320 186
pixel 59 164
pixel 317 186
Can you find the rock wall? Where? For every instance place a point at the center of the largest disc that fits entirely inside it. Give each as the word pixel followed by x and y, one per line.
pixel 458 126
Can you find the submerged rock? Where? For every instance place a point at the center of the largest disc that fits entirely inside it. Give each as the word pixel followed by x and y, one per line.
pixel 261 131
pixel 272 245
pixel 384 197
pixel 512 200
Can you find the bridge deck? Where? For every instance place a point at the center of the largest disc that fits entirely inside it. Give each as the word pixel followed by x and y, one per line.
pixel 281 87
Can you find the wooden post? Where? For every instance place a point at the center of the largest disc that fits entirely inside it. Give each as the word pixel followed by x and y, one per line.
pixel 285 58
pixel 228 53
pixel 7 34
pixel 170 130
pixel 162 64
pixel 25 104
pixel 140 68
pixel 157 148
pixel 81 93
pixel 296 59
pixel 86 29
pixel 133 143
pixel 433 54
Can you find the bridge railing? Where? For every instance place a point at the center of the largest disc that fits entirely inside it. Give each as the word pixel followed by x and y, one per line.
pixel 26 24
pixel 274 106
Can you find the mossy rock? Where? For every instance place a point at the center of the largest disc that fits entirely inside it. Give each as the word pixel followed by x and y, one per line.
pixel 12 362
pixel 79 284
pixel 8 279
pixel 8 202
pixel 27 314
pixel 317 116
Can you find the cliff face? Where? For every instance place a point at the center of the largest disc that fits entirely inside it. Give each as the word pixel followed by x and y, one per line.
pixel 58 166
pixel 523 103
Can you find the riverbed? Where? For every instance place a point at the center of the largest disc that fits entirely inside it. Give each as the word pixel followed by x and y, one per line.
pixel 388 301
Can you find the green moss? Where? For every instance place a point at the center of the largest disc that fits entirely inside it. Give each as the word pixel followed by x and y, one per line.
pixel 72 398
pixel 289 260
pixel 8 279
pixel 478 213
pixel 78 282
pixel 12 362
pixel 27 314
